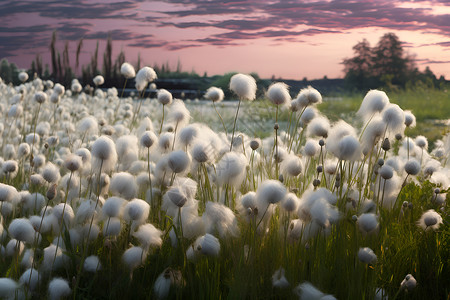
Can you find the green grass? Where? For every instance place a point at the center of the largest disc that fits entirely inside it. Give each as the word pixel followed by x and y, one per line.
pixel 428 105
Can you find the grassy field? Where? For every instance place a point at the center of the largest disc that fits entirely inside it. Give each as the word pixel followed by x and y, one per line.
pixel 110 198
pixel 431 108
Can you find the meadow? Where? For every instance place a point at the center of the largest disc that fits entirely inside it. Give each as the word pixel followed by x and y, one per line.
pixel 105 197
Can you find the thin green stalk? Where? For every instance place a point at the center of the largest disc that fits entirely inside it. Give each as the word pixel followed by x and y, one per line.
pixel 234 125
pixel 223 124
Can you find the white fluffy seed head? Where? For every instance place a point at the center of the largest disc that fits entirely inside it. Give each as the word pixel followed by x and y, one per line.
pixel 374 102
pixel 214 94
pixel 178 113
pixel 177 196
pixel 136 210
pixel 412 167
pixel 51 173
pixel 59 89
pixel 319 126
pixel 133 257
pixel 73 162
pixel 290 203
pixel 164 97
pixel 367 222
pixel 367 256
pixel 148 235
pixel 113 207
pixel 410 119
pixel 308 96
pixel 386 172
pixel 278 93
pixel 144 76
pixel 58 288
pixel 231 169
pixel 208 245
pixel 349 148
pixel 270 192
pixel 292 165
pixel 409 283
pixel 124 185
pixel 202 152
pixel 98 80
pixel 40 97
pixel 23 76
pixel 8 287
pixel 127 70
pixel 30 278
pixel 148 139
pixel 421 142
pixel 393 117
pixel 249 200
pixel 311 148
pixel 92 264
pixel 103 149
pixel 244 86
pixel 430 220
pixel 22 230
pixel 178 161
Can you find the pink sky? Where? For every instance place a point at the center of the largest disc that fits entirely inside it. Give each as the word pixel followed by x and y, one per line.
pixel 287 39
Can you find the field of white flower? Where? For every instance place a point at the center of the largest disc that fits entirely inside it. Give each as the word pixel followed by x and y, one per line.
pixel 103 197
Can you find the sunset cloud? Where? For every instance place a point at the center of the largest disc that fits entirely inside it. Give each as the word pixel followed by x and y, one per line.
pixel 179 25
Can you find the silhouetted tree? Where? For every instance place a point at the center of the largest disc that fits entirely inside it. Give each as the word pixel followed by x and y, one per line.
pixel 53 55
pixel 79 46
pixel 385 64
pixel 107 60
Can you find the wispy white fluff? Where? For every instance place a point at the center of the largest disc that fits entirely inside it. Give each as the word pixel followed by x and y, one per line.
pixel 367 223
pixel 178 161
pixel 279 279
pixel 394 118
pixel 278 93
pixel 103 149
pixel 367 256
pixel 22 230
pixel 92 264
pixel 430 220
pixel 58 288
pixel 123 184
pixel 308 96
pixel 148 138
pixel 136 210
pixel 164 97
pixel 127 70
pixel 8 288
pixel 30 278
pixel 244 86
pixel 291 165
pixel 214 94
pixel 148 235
pixel 231 169
pixel 98 80
pixel 219 218
pixel 319 126
pixel 134 257
pixel 374 102
pixel 270 192
pixel 410 119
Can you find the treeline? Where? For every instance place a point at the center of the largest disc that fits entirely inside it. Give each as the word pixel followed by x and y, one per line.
pixel 386 65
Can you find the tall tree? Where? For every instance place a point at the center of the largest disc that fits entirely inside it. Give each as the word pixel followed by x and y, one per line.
pixel 107 60
pixel 390 59
pixel 53 55
pixel 77 61
pixel 385 64
pixel 359 69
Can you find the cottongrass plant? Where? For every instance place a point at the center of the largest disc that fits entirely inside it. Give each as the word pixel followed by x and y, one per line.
pixel 175 209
